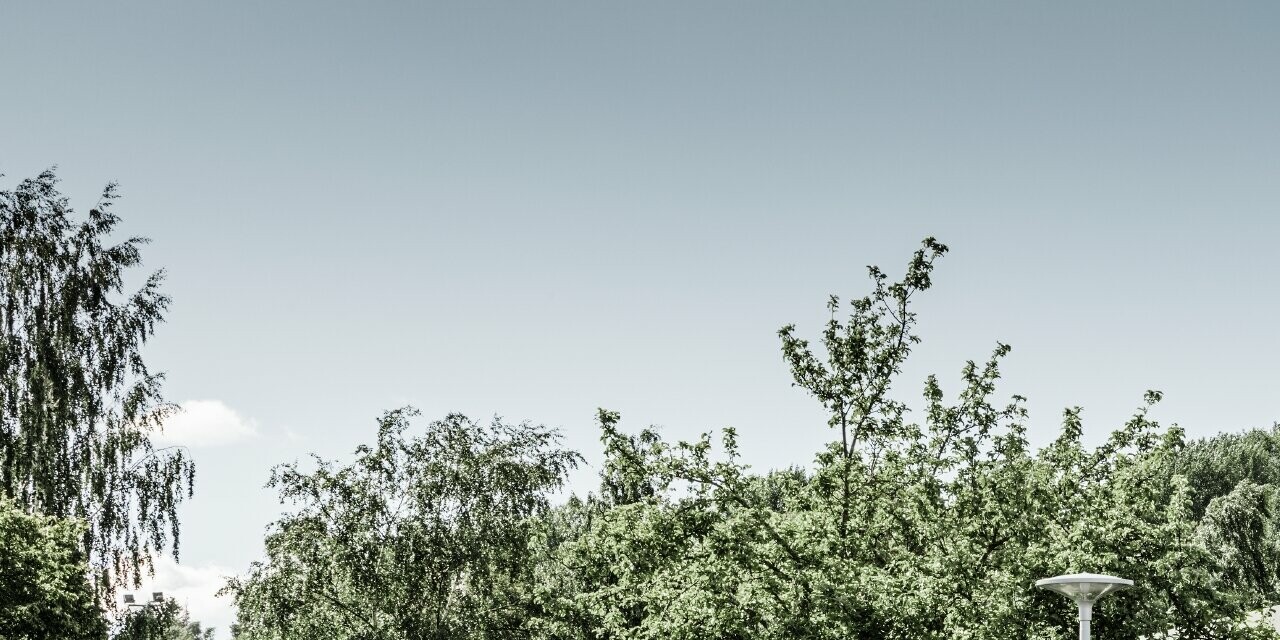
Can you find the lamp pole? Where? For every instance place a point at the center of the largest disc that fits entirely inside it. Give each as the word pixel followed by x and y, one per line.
pixel 157 597
pixel 1084 589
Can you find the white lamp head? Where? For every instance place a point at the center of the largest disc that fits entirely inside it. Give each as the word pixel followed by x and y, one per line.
pixel 1087 587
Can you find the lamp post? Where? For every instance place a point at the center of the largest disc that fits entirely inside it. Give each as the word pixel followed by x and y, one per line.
pixel 1084 589
pixel 157 597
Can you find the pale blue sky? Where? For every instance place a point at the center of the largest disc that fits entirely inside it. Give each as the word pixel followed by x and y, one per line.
pixel 536 209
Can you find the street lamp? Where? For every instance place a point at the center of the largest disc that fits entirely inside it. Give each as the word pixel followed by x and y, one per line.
pixel 1084 589
pixel 157 597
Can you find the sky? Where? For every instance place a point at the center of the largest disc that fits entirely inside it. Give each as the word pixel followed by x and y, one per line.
pixel 537 209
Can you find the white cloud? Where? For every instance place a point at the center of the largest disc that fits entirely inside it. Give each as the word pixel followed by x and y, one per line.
pixel 205 423
pixel 196 589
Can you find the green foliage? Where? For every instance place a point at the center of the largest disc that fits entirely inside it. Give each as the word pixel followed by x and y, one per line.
pixel 1215 466
pixel 422 537
pixel 907 526
pixel 1233 480
pixel 44 590
pixel 902 530
pixel 1240 529
pixel 77 402
pixel 166 620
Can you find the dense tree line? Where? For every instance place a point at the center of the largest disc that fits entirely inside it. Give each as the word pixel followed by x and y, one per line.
pixel 925 523
pixel 908 525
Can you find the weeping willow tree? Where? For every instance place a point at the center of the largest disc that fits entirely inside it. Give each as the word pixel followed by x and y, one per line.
pixel 77 403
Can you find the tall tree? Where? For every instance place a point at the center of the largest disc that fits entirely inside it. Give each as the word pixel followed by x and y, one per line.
pixel 77 402
pixel 419 538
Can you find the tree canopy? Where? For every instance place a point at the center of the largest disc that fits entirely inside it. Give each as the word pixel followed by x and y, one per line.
pixel 164 620
pixel 424 536
pixel 77 402
pixel 926 519
pixel 44 588
pixel 918 521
